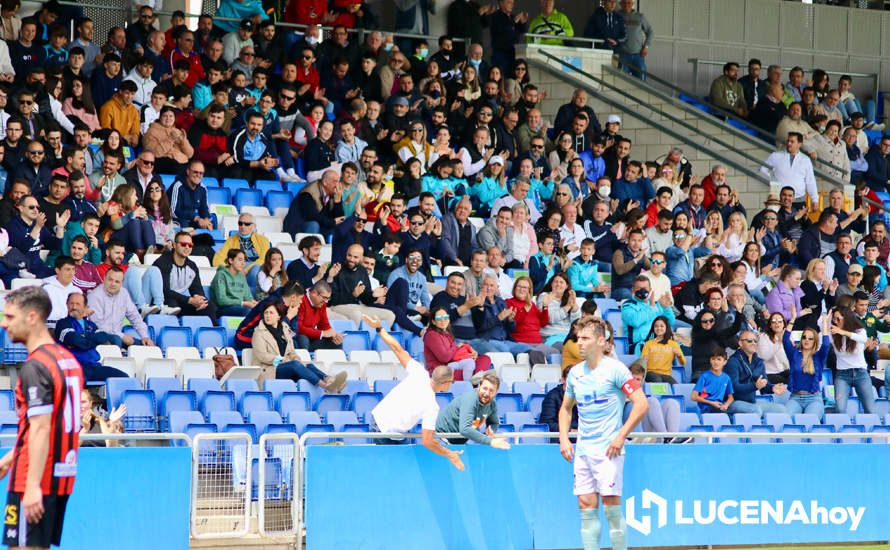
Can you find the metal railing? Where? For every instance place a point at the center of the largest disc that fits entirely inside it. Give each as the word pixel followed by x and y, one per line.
pixel 767 143
pixel 874 77
pixel 680 137
pixel 222 485
pixel 277 507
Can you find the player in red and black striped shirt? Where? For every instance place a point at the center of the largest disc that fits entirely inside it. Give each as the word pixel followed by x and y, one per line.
pixel 44 460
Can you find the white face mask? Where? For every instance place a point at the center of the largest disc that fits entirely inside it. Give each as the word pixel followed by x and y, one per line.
pixel 312 40
pixel 604 191
pixel 773 207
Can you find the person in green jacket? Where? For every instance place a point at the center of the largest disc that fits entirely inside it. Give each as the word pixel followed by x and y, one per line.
pixel 472 410
pixel 552 22
pixel 89 228
pixel 229 287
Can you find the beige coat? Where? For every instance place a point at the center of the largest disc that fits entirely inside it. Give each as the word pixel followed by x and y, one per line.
pixel 167 143
pixel 265 350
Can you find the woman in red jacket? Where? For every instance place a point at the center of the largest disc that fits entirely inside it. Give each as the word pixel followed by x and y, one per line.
pixel 439 348
pixel 529 320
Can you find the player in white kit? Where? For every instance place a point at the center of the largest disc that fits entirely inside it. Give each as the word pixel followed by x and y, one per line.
pixel 599 386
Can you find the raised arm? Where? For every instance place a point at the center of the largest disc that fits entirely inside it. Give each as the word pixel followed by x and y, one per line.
pixel 400 353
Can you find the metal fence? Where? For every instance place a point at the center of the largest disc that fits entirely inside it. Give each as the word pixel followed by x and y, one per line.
pixel 222 485
pixel 277 473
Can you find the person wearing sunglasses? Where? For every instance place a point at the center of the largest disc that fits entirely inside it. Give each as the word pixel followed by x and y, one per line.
pixel 182 280
pixel 254 245
pixel 706 340
pixel 30 232
pixel 747 372
pixel 188 198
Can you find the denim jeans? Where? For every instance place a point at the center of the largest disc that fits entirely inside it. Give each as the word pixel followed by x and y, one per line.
pixel 861 382
pixel 100 373
pixel 633 64
pixel 294 370
pixel 138 234
pixel 251 277
pixel 145 285
pixel 807 403
pixel 310 227
pixel 621 294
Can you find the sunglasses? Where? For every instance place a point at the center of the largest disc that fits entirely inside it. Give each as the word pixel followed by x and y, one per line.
pixel 31 207
pixel 484 113
pixel 185 245
pixel 155 190
pixel 147 162
pixel 417 223
pixel 707 321
pixel 441 317
pixel 245 224
pixel 415 259
pixel 287 97
pixel 248 54
pixel 360 220
pixel 749 340
pixel 35 152
pixel 562 194
pixel 770 219
pixel 26 102
pixel 537 147
pixel 306 57
pixel 657 262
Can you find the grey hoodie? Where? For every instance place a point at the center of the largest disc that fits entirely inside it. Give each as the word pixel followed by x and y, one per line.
pixel 639 33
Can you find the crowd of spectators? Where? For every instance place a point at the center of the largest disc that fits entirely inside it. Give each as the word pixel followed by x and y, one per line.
pixel 411 165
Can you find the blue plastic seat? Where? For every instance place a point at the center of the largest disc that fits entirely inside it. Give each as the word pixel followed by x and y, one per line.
pixel 338 418
pixel 724 428
pixel 174 336
pixel 679 374
pixel 217 400
pixel 356 428
pixel 240 386
pixel 263 419
pixel 163 385
pixel 385 386
pixel 157 321
pixel 210 337
pixel 267 186
pixel 355 386
pixel 508 402
pixel 838 420
pixel 867 420
pixel 235 183
pixel 201 386
pixel 115 388
pixel 343 325
pixel 715 420
pixel 174 400
pixel 355 340
pixel 792 428
pixel 218 195
pixel 526 389
pixel 278 199
pixel 255 401
pixel 248 197
pixel 248 429
pixel 293 402
pixel 363 402
pixel 685 390
pixel 207 451
pixel 443 399
pixel 7 400
pixel 533 405
pixel 141 410
pixel 777 420
pixel 180 419
pixel 332 402
pixel 195 322
pixel 460 387
pixel 882 406
pixel 806 420
pixel 224 418
pixel 277 387
pixel 301 419
pixel 746 420
pixel 688 420
pixel 9 417
pixel 318 428
pixel 519 418
pixel 821 429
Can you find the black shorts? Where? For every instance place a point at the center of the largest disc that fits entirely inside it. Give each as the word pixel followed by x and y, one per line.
pixel 48 531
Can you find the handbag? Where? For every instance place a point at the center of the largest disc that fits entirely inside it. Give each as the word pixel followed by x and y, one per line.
pixel 222 362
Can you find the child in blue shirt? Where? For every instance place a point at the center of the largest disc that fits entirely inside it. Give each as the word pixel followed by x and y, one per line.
pixel 713 391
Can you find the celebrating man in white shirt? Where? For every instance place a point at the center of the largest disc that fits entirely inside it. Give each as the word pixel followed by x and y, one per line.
pixel 793 169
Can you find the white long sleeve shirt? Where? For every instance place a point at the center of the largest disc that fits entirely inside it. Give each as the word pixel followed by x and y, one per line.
pixel 796 173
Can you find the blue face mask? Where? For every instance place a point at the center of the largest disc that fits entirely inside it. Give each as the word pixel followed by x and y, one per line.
pixel 475 62
pixel 435 94
pixel 387 47
pixel 423 53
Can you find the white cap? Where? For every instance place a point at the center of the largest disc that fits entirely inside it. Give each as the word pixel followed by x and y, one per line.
pixel 613 119
pixel 496 159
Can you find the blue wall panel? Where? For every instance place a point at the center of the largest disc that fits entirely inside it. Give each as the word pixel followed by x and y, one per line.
pixel 675 495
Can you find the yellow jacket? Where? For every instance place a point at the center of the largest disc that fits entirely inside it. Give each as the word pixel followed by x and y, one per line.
pixel 260 244
pixel 115 115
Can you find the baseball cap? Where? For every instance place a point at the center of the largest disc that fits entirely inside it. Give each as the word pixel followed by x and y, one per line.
pixel 246 24
pixel 496 159
pixel 613 119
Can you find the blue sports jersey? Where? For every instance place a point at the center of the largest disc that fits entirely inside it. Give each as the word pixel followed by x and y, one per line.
pixel 713 388
pixel 600 394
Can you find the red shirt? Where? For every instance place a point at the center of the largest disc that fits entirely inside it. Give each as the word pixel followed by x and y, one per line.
pixel 528 323
pixel 308 76
pixel 710 191
pixel 306 12
pixel 196 69
pixel 49 383
pixel 312 321
pixel 103 269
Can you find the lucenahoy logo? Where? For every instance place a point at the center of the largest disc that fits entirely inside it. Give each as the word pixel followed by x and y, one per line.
pixel 735 512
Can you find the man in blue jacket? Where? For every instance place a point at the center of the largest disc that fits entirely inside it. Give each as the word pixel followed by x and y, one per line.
pixel 188 199
pixel 747 372
pixel 634 187
pixel 81 336
pixel 29 234
pixel 818 240
pixel 878 159
pixel 638 313
pixel 606 24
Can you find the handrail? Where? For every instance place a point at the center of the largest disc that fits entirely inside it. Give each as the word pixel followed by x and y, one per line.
pixel 875 77
pixel 583 39
pixel 766 146
pixel 752 173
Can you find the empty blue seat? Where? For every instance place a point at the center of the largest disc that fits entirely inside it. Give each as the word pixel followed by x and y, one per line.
pixel 715 420
pixel 248 197
pixel 384 386
pixel 244 428
pixel 355 340
pixel 688 420
pixel 852 428
pixel 355 386
pixel 267 186
pixel 806 420
pixel 882 406
pixel 206 450
pixel 343 325
pixel 837 420
pixel 526 389
pixel 224 418
pixel 301 419
pixel 218 195
pixel 508 402
pixel 531 428
pixel 9 417
pixel 338 418
pixel 821 429
pixel 277 387
pixel 777 420
pixel 292 402
pixel 115 387
pixel 724 428
pixel 240 386
pixel 141 410
pixel 157 321
pixel 535 401
pixel 174 336
pixel 380 345
pixel 520 418
pixel 761 428
pixel 210 337
pixel 460 387
pixel 263 419
pixel 363 402
pixel 685 390
pixel 278 199
pixel 314 392
pixel 162 385
pixel 179 420
pixel 217 400
pixel 195 322
pixel 318 428
pixel 255 401
pixel 679 374
pixel 235 183
pixel 175 400
pixel 867 420
pixel 356 428
pixel 332 402
pixel 746 420
pixel 443 399
pixel 201 386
